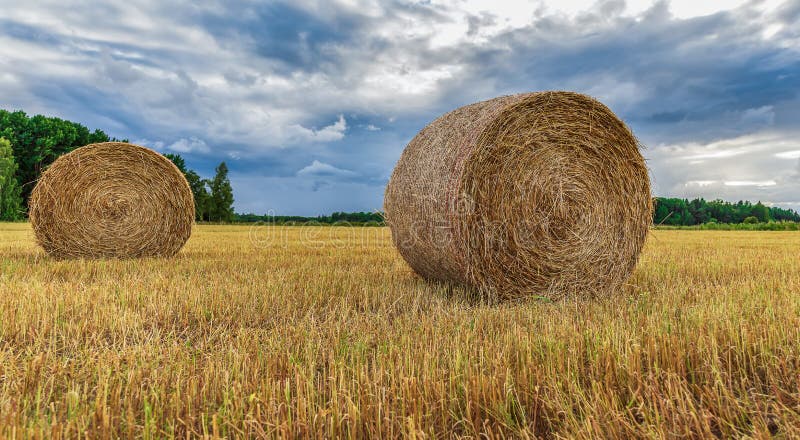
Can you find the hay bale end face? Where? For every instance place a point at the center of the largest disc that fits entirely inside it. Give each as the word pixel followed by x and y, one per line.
pixel 539 194
pixel 112 200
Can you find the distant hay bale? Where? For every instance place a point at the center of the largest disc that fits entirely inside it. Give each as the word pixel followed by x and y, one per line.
pixel 112 200
pixel 541 194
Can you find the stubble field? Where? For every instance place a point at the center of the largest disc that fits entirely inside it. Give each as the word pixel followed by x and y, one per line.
pixel 325 332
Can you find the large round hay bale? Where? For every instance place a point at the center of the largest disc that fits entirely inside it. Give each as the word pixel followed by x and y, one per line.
pixel 540 194
pixel 112 200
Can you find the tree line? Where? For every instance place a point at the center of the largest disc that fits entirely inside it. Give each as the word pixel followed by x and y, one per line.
pixel 337 218
pixel 29 144
pixel 667 212
pixel 683 212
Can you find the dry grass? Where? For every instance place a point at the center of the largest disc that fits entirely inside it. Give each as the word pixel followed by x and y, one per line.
pixel 112 199
pixel 321 340
pixel 537 194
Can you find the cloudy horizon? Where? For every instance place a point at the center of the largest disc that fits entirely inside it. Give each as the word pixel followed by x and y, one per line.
pixel 311 102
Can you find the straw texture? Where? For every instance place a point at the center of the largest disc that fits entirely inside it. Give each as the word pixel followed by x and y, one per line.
pixel 112 200
pixel 539 194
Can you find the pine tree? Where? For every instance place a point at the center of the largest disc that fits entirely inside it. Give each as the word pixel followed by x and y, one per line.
pixel 198 185
pixel 202 199
pixel 10 192
pixel 221 195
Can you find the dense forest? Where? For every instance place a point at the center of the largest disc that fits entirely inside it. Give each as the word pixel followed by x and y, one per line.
pixel 39 140
pixel 668 212
pixel 29 144
pixel 337 218
pixel 682 212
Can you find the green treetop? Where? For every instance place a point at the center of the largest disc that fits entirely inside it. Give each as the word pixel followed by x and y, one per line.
pixel 221 195
pixel 10 194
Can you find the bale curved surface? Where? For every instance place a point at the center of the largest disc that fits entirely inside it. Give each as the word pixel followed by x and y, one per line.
pixel 113 200
pixel 539 194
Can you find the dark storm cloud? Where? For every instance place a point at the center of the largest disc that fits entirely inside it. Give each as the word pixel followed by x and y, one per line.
pixel 309 37
pixel 688 79
pixel 292 37
pixel 311 102
pixel 24 32
pixel 298 38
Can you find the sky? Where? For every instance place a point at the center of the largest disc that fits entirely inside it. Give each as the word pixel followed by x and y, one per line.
pixel 311 102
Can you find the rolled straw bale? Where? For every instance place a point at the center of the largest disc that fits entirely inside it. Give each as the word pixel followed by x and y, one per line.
pixel 539 194
pixel 112 200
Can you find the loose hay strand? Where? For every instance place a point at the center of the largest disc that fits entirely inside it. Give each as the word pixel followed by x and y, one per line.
pixel 539 194
pixel 113 200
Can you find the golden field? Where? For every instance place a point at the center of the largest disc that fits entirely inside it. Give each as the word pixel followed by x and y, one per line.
pixel 325 332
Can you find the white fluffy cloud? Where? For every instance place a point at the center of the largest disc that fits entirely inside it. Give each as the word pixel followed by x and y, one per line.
pixel 333 132
pixel 192 145
pixel 322 169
